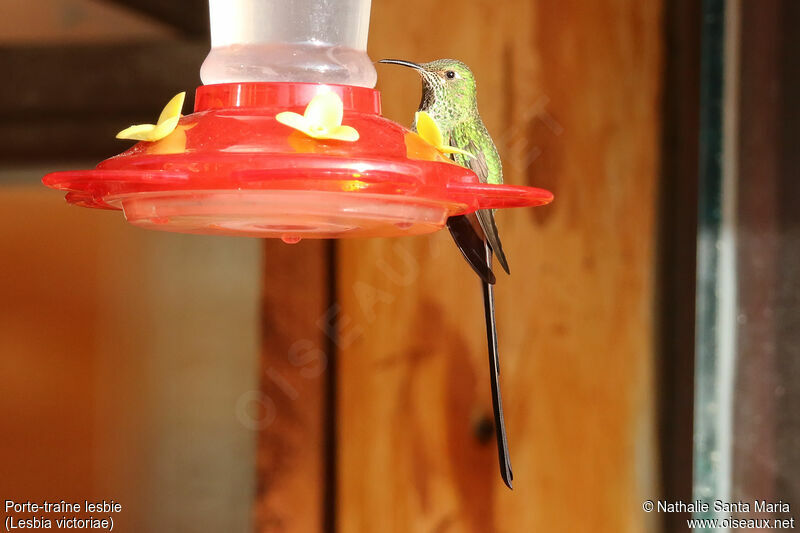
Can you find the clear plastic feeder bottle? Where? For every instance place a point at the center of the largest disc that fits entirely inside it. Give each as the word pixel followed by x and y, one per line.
pixel 316 41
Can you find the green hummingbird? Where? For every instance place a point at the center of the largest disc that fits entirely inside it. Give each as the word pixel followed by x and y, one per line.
pixel 449 96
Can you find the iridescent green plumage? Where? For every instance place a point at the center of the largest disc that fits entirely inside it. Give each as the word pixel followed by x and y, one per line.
pixel 453 104
pixel 449 96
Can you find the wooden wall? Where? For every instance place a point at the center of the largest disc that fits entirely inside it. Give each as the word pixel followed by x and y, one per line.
pixel 119 377
pixel 571 91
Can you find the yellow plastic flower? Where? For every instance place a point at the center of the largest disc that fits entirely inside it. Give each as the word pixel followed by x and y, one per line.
pixel 321 120
pixel 430 132
pixel 167 122
pixel 174 143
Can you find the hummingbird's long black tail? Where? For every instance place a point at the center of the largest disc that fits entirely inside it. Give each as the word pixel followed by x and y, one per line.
pixel 494 372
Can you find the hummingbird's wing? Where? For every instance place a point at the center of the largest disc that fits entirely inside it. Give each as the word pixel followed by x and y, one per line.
pixel 486 219
pixel 470 241
pixel 480 167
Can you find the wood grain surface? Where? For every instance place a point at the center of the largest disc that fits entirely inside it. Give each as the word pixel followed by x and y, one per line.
pixel 292 409
pixel 123 353
pixel 570 91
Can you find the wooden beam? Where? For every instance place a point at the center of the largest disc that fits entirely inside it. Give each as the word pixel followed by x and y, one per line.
pixel 293 457
pixel 69 101
pixel 188 16
pixel 766 421
pixel 90 80
pixel 677 246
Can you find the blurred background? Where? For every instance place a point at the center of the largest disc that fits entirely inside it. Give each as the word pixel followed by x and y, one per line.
pixel 648 334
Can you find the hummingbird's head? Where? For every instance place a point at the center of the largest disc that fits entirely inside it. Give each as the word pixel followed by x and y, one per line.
pixel 445 83
pixel 449 76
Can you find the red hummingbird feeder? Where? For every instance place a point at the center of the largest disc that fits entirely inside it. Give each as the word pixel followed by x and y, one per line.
pixel 232 168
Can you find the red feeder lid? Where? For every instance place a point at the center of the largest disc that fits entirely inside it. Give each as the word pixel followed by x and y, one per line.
pixel 231 168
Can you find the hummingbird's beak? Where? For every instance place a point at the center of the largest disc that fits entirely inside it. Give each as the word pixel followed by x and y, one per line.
pixel 402 62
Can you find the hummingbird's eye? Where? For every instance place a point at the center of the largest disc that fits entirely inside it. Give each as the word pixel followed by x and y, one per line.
pixel 450 74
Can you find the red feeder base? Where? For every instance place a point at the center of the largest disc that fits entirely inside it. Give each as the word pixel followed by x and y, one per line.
pixel 231 169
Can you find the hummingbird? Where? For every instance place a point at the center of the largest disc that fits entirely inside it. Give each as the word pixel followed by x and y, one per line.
pixel 449 96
